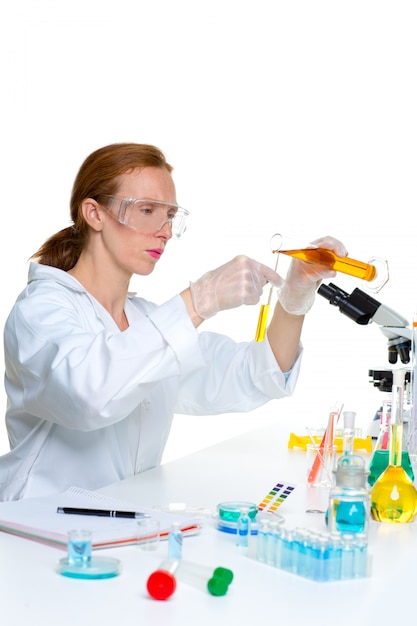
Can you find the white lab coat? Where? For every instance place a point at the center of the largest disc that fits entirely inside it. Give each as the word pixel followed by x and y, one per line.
pixel 89 405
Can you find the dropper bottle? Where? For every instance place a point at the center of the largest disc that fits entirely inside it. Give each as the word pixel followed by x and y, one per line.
pixel 393 496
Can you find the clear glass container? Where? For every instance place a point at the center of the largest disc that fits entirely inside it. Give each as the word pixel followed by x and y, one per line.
pixel 349 500
pixel 393 496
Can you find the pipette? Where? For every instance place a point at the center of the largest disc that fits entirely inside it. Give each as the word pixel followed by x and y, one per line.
pixel 264 313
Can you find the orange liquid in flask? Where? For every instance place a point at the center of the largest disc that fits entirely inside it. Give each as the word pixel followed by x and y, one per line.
pixel 329 259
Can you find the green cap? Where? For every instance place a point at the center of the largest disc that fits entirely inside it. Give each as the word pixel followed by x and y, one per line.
pixel 224 573
pixel 217 586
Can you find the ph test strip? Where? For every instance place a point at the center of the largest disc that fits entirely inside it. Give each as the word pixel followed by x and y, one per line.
pixel 276 497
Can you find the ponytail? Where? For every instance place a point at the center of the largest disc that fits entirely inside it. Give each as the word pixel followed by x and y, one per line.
pixel 97 176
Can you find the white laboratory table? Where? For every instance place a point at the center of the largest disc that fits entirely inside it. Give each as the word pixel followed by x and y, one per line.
pixel 242 468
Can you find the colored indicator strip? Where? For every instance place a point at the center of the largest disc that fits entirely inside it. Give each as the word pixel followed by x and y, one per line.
pixel 276 497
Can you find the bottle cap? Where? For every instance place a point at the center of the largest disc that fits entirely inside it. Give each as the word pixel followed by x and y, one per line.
pixel 217 586
pixel 161 585
pixel 351 472
pixel 224 573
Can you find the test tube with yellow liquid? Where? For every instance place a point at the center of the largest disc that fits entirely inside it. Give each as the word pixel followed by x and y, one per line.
pixel 264 314
pixel 374 272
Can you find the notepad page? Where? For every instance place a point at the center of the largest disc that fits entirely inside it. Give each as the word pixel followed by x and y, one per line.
pixel 37 519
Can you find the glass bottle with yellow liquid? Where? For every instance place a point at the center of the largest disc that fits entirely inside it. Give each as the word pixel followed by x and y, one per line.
pixel 394 496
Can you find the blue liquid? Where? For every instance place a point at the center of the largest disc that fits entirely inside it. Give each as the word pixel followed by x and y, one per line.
pixel 243 530
pixel 79 552
pixel 175 544
pixel 350 517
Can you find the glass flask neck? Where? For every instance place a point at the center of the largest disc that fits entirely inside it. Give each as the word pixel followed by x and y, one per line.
pixel 395 444
pixel 396 423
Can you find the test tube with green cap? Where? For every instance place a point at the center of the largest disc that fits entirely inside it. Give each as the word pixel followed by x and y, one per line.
pixel 162 583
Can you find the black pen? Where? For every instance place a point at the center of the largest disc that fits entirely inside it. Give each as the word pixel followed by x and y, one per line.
pixel 100 512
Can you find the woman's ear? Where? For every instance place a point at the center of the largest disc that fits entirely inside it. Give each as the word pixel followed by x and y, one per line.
pixel 92 213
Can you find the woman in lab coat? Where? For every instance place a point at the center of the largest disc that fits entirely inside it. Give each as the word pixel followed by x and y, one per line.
pixel 95 374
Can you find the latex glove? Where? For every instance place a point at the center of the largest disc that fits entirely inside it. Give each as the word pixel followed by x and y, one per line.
pixel 237 282
pixel 303 279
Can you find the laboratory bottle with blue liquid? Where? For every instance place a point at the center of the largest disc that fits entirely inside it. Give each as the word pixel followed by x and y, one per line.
pixel 349 500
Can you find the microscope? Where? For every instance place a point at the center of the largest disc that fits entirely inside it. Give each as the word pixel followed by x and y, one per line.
pixel 363 309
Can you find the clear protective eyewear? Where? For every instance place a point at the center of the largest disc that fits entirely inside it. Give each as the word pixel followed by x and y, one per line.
pixel 148 216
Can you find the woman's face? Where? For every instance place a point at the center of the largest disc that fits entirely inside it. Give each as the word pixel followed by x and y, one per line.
pixel 138 251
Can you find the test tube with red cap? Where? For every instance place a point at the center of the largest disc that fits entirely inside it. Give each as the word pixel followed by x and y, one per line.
pixel 162 583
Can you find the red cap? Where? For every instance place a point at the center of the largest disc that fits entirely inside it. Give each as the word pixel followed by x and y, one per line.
pixel 161 584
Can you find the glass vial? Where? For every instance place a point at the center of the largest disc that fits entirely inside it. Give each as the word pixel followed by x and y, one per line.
pixel 243 528
pixel 175 541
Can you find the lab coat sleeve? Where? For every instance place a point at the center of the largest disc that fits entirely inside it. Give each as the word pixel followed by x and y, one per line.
pixel 238 377
pixel 64 365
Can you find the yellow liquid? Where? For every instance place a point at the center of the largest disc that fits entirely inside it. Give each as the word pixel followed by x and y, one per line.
pixel 394 497
pixel 346 265
pixel 262 321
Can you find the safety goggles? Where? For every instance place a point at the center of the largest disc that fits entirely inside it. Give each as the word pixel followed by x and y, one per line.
pixel 147 216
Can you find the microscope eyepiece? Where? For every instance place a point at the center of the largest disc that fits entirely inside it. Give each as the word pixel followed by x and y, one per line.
pixel 358 305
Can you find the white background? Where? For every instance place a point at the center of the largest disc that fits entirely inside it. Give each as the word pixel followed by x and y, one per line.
pixel 296 117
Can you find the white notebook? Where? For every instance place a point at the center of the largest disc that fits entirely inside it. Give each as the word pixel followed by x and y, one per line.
pixel 37 519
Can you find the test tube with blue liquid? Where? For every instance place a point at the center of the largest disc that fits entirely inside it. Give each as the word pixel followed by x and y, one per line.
pixel 175 541
pixel 262 539
pixel 243 528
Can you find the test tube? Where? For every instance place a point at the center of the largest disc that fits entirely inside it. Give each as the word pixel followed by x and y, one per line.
pixel 374 271
pixel 264 312
pixel 162 583
pixel 262 540
pixel 348 557
pixel 175 541
pixel 348 432
pixel 243 528
pixel 361 557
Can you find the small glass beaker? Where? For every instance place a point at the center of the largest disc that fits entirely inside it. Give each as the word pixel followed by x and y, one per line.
pixel 374 272
pixel 79 547
pixel 148 533
pixel 321 461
